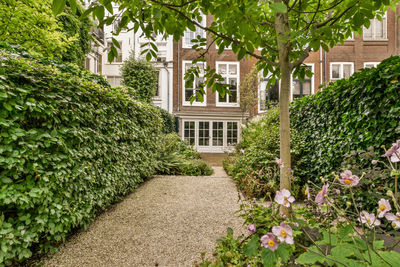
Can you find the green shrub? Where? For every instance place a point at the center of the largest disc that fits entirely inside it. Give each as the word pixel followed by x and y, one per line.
pixel 253 165
pixel 168 120
pixel 178 158
pixel 350 114
pixel 69 147
pixel 142 76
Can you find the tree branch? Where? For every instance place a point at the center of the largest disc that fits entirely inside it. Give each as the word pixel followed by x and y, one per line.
pixel 305 55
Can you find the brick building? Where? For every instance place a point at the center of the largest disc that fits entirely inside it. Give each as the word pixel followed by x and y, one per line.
pixel 214 124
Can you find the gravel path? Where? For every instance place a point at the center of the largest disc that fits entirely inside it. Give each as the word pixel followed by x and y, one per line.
pixel 168 221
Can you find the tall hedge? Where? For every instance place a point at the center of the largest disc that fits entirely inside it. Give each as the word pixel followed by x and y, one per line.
pixel 350 114
pixel 69 146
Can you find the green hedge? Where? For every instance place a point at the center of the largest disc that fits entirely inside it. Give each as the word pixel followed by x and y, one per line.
pixel 350 114
pixel 253 165
pixel 168 122
pixel 69 147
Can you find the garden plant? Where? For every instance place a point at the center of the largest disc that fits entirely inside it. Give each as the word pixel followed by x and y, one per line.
pixel 320 231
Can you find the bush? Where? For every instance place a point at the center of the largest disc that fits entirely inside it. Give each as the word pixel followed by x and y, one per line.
pixel 178 158
pixel 168 121
pixel 253 165
pixel 350 114
pixel 69 147
pixel 142 76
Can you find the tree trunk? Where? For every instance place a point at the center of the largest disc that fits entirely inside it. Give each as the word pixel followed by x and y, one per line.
pixel 282 29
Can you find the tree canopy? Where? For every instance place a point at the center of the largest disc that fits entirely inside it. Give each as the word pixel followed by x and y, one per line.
pixel 279 33
pixel 32 24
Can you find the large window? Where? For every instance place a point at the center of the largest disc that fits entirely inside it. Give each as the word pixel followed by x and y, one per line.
pixel 303 88
pixel 189 132
pixel 204 133
pixel 218 133
pixel 188 92
pixel 340 70
pixel 377 29
pixel 118 59
pixel 190 35
pixel 114 80
pixel 232 132
pixel 369 65
pixel 230 72
pixel 267 94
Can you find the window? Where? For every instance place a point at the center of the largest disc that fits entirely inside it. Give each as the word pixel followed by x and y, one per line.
pixel 371 64
pixel 190 35
pixel 341 70
pixel 87 63
pixel 204 133
pixel 189 131
pixel 114 80
pixel 232 132
pixel 99 59
pixel 189 92
pixel 230 72
pixel 218 133
pixel 270 94
pixel 377 29
pixel 118 59
pixel 158 84
pixel 300 88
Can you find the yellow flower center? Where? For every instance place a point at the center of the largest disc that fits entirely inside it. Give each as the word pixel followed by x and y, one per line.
pixel 321 191
pixel 271 243
pixel 369 221
pixel 347 181
pixel 306 192
pixel 283 233
pixel 382 207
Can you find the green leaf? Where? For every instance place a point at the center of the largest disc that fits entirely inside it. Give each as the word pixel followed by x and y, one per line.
pixel 6 180
pixel 7 106
pixel 278 7
pixel 58 6
pixel 251 248
pixel 309 257
pixel 73 5
pixel 115 42
pixel 268 257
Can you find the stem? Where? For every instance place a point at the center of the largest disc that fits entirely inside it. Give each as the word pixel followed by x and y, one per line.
pixel 396 194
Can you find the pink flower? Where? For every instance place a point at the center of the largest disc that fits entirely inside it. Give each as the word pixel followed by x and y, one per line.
pixel 320 197
pixel 269 241
pixel 369 219
pixel 374 162
pixel 391 152
pixel 384 206
pixel 395 219
pixel 279 162
pixel 284 233
pixel 252 228
pixel 284 198
pixel 307 192
pixel 348 178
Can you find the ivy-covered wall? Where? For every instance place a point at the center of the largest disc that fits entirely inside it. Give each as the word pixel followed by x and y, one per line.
pixel 69 147
pixel 350 114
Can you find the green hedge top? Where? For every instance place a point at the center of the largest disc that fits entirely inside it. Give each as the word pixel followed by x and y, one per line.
pixel 69 146
pixel 350 114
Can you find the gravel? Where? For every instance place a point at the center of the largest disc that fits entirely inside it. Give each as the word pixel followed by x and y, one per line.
pixel 168 221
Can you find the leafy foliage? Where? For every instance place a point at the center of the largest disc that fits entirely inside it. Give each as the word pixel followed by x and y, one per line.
pixel 253 165
pixel 178 158
pixel 169 122
pixel 249 91
pixel 69 147
pixel 141 76
pixel 31 23
pixel 350 114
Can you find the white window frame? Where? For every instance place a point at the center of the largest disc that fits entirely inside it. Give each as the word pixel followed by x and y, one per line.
pixel 227 76
pixel 312 81
pixel 341 70
pixel 371 63
pixel 195 103
pixel 373 24
pixel 210 147
pixel 203 23
pixel 113 79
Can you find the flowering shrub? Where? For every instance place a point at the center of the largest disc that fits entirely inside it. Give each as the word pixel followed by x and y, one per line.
pixel 253 164
pixel 319 232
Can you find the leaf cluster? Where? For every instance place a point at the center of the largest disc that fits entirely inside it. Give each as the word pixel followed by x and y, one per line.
pixel 69 147
pixel 350 114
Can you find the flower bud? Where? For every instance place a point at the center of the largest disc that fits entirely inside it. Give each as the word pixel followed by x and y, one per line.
pixel 364 173
pixel 350 235
pixel 348 203
pixel 323 180
pixel 389 193
pixel 374 162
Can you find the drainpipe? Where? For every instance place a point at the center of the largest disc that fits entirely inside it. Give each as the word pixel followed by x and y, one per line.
pixel 325 79
pixel 179 75
pixel 320 66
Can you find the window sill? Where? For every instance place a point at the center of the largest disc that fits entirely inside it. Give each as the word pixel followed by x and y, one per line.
pixel 195 104
pixel 227 105
pixel 375 40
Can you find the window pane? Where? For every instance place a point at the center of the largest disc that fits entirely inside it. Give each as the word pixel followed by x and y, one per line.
pixel 204 133
pixel 307 87
pixel 232 132
pixel 233 89
pixel 367 33
pixel 222 69
pixel 335 71
pixel 218 131
pixel 378 29
pixel 232 69
pixel 346 70
pixel 188 94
